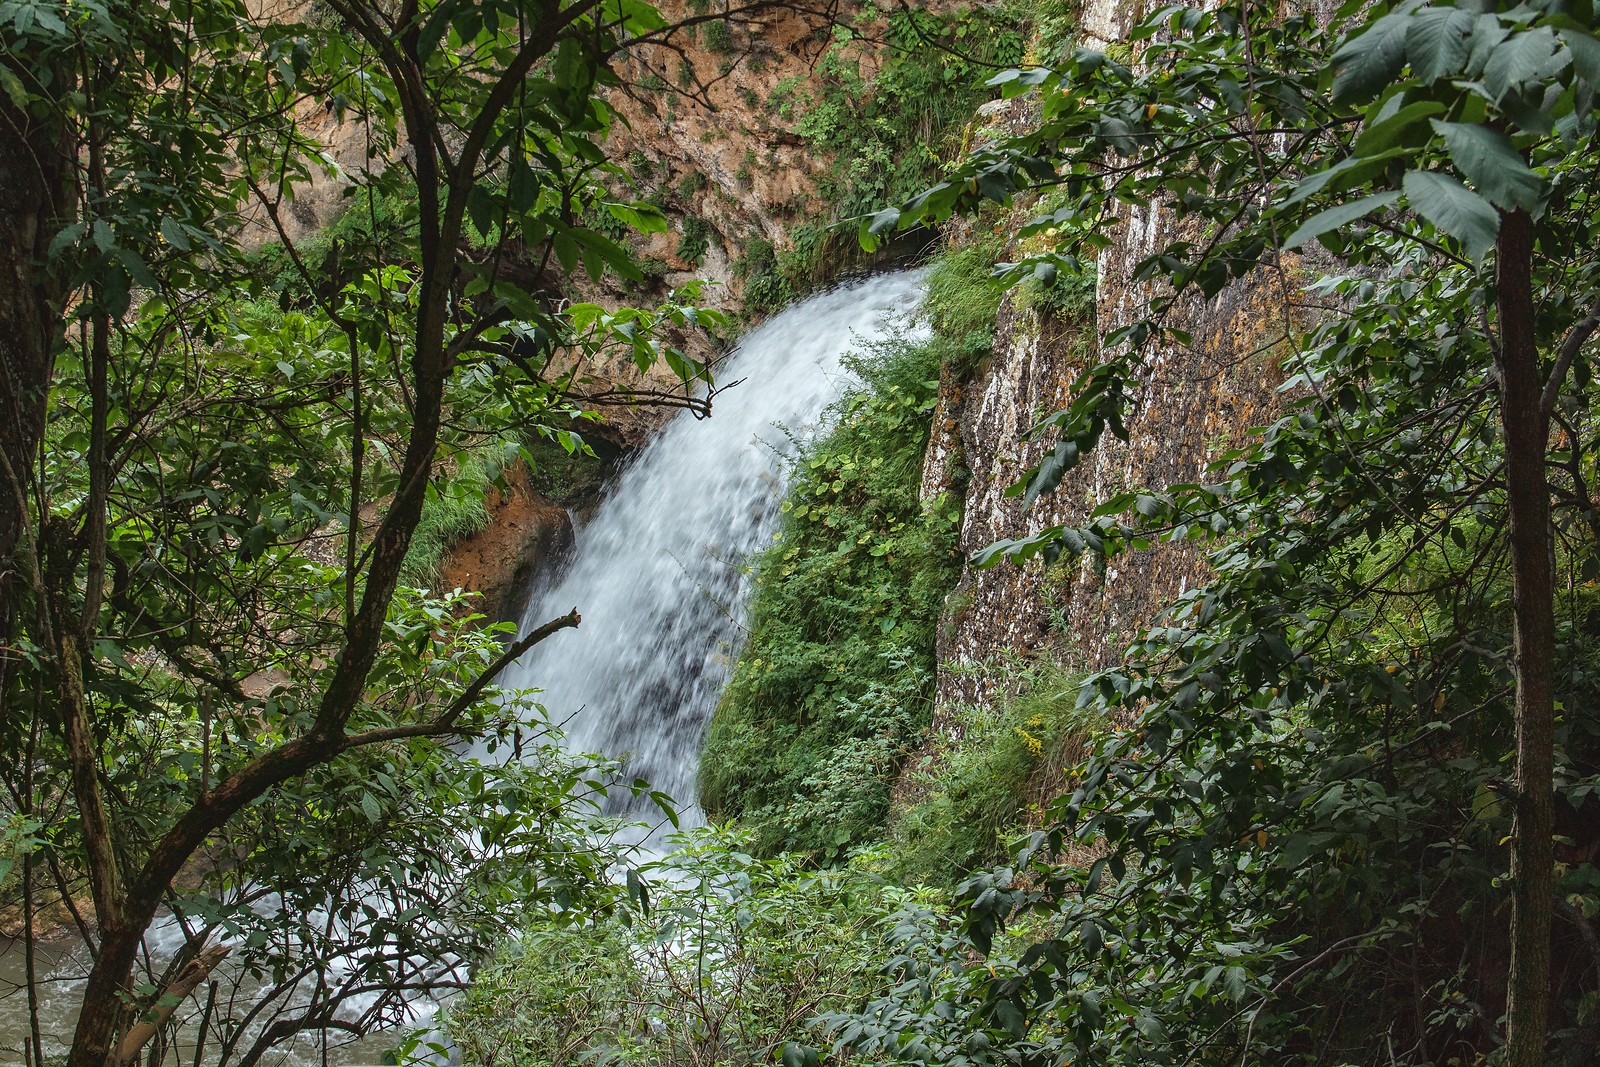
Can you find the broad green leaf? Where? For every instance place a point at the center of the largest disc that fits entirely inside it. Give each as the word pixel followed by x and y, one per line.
pixel 1492 163
pixel 1342 175
pixel 1453 208
pixel 523 187
pixel 1381 136
pixel 1522 60
pixel 173 232
pixel 1436 42
pixel 1341 215
pixel 13 87
pixel 566 250
pixel 1367 64
pixel 1585 49
pixel 641 216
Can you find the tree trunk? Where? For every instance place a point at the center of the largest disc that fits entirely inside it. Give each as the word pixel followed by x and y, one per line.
pixel 1526 428
pixel 36 176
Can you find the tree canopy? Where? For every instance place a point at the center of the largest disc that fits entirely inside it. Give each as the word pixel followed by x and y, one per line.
pixel 219 702
pixel 1386 677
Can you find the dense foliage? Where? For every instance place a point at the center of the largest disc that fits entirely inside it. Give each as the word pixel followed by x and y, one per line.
pixel 1301 848
pixel 980 782
pixel 222 710
pixel 890 102
pixel 730 960
pixel 1337 805
pixel 834 680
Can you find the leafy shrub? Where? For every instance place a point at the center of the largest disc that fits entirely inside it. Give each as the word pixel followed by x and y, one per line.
pixel 975 786
pixel 789 98
pixel 815 253
pixel 729 964
pixel 695 240
pixel 717 38
pixel 765 289
pixel 555 993
pixel 835 680
pixel 963 300
pixel 1069 296
pixel 369 232
pixel 691 184
pixel 885 133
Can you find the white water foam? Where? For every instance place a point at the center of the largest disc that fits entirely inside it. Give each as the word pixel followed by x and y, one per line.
pixel 660 573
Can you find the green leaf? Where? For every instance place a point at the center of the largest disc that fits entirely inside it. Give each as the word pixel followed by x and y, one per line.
pixel 13 87
pixel 1381 136
pixel 1492 163
pixel 523 188
pixel 1367 64
pixel 481 210
pixel 1585 49
pixel 799 1055
pixel 641 216
pixel 174 233
pixel 1522 60
pixel 1335 217
pixel 566 250
pixel 872 227
pixel 1453 208
pixel 1436 42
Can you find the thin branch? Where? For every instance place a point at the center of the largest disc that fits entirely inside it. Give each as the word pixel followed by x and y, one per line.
pixel 1576 338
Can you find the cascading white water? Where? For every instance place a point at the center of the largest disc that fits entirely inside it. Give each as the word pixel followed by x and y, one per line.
pixel 660 573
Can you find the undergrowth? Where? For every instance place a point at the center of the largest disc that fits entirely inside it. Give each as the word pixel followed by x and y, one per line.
pixel 456 507
pixel 887 133
pixel 729 963
pixel 973 785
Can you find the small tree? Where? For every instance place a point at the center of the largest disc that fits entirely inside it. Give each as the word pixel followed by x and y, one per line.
pixel 180 464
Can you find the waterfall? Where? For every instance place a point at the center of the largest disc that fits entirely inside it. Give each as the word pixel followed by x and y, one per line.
pixel 660 573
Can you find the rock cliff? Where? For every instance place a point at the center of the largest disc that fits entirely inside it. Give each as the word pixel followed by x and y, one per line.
pixel 1192 403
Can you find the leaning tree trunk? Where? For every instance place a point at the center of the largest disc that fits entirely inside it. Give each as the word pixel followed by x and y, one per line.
pixel 1526 428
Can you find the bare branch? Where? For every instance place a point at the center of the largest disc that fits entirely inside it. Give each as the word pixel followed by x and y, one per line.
pixel 197 970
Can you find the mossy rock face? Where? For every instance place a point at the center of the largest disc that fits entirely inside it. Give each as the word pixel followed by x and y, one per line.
pixel 572 480
pixel 835 680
